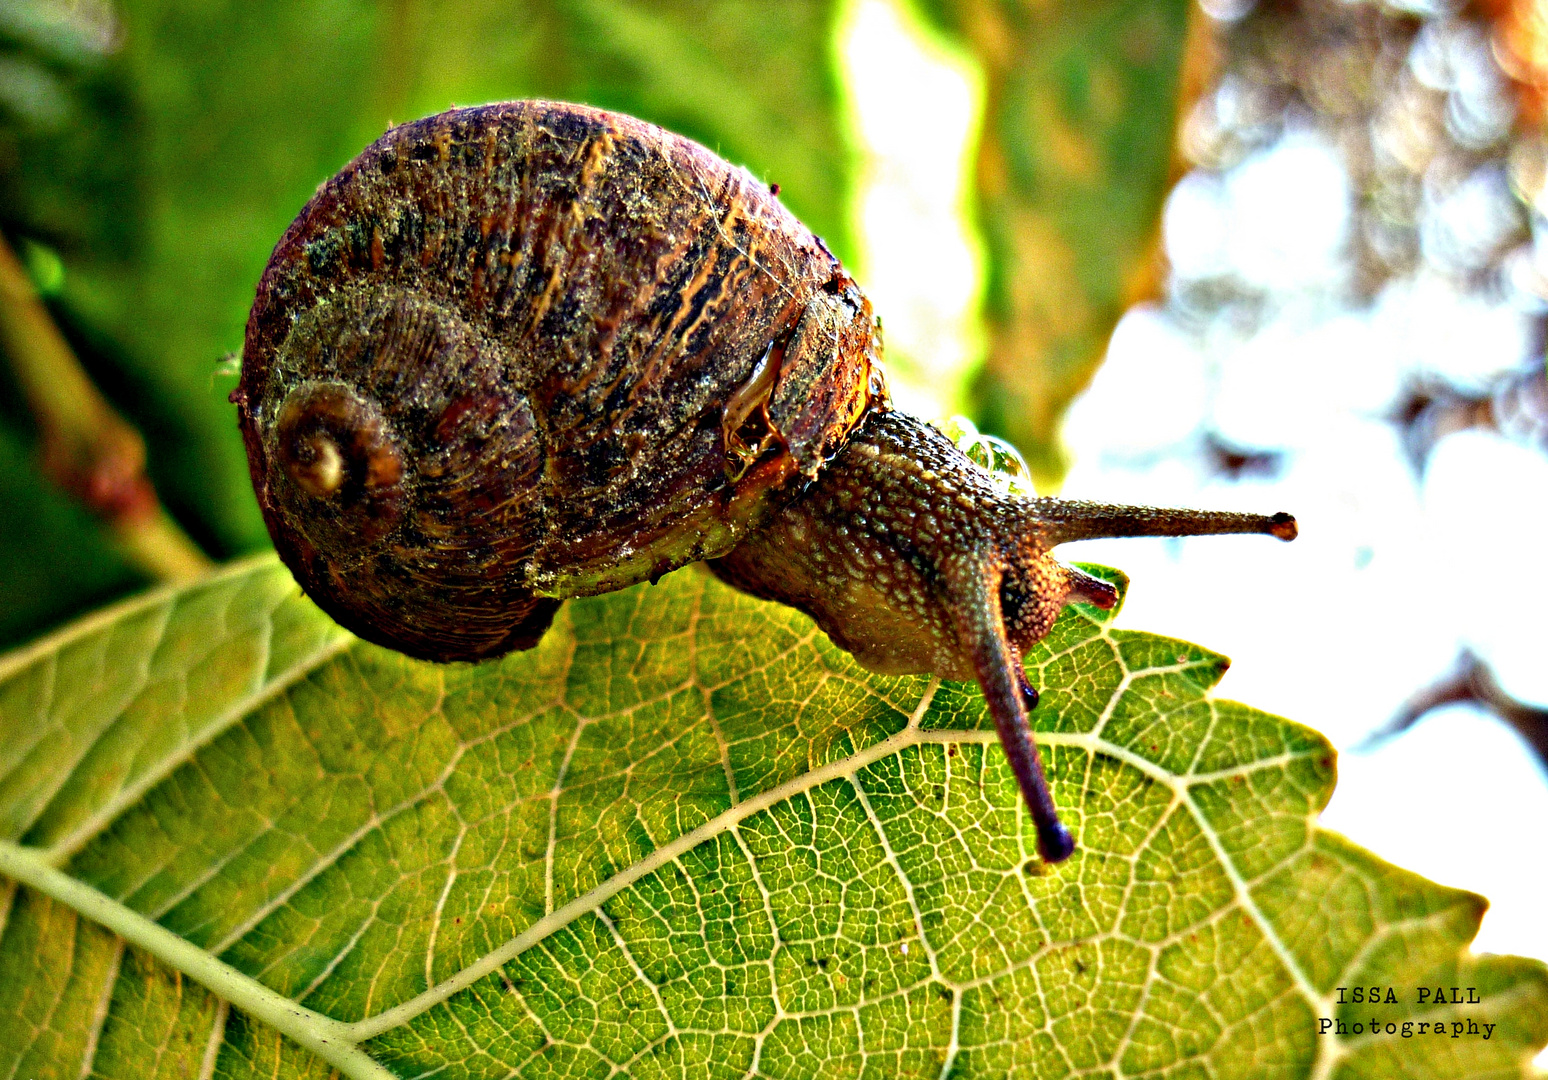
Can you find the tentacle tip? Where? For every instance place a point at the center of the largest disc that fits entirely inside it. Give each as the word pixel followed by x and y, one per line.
pixel 1054 842
pixel 1284 527
pixel 1028 694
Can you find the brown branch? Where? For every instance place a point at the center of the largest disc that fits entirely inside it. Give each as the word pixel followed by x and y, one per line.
pixel 87 448
pixel 1472 682
pixel 1428 409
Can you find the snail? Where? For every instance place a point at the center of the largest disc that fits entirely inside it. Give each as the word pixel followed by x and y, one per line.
pixel 530 351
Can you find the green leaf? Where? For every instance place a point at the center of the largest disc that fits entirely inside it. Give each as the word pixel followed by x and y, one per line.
pixel 683 836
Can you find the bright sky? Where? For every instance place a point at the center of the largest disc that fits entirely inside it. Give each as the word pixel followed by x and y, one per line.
pixel 1391 575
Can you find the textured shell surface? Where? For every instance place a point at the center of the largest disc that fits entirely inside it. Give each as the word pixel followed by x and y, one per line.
pixel 532 350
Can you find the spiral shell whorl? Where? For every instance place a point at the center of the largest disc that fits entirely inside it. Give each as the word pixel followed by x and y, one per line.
pixel 333 449
pixel 404 464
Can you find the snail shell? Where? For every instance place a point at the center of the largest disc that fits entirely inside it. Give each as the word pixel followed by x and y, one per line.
pixel 527 351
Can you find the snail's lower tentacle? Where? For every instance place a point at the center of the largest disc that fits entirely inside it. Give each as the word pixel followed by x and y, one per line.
pixel 1088 588
pixel 982 628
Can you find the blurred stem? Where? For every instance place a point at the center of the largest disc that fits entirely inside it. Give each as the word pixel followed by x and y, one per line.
pixel 88 449
pixel 1470 681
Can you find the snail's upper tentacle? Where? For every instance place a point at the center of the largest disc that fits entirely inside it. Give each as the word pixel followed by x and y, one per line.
pixel 1060 521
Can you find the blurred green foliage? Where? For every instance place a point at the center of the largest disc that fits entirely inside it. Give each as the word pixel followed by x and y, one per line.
pixel 1074 163
pixel 157 150
pixel 161 150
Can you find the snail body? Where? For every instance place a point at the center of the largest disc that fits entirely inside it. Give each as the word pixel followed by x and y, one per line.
pixel 529 351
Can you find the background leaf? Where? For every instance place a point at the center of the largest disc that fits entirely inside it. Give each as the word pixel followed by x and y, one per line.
pixel 686 835
pixel 188 137
pixel 1074 162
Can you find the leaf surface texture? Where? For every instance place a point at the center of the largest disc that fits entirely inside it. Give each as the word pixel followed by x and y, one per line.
pixel 685 836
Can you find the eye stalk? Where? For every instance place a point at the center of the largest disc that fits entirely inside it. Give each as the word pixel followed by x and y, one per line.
pixel 915 559
pixel 1064 520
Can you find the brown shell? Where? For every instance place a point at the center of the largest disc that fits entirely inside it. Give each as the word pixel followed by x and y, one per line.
pixel 531 350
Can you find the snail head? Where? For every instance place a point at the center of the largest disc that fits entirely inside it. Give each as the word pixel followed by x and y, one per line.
pixel 915 559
